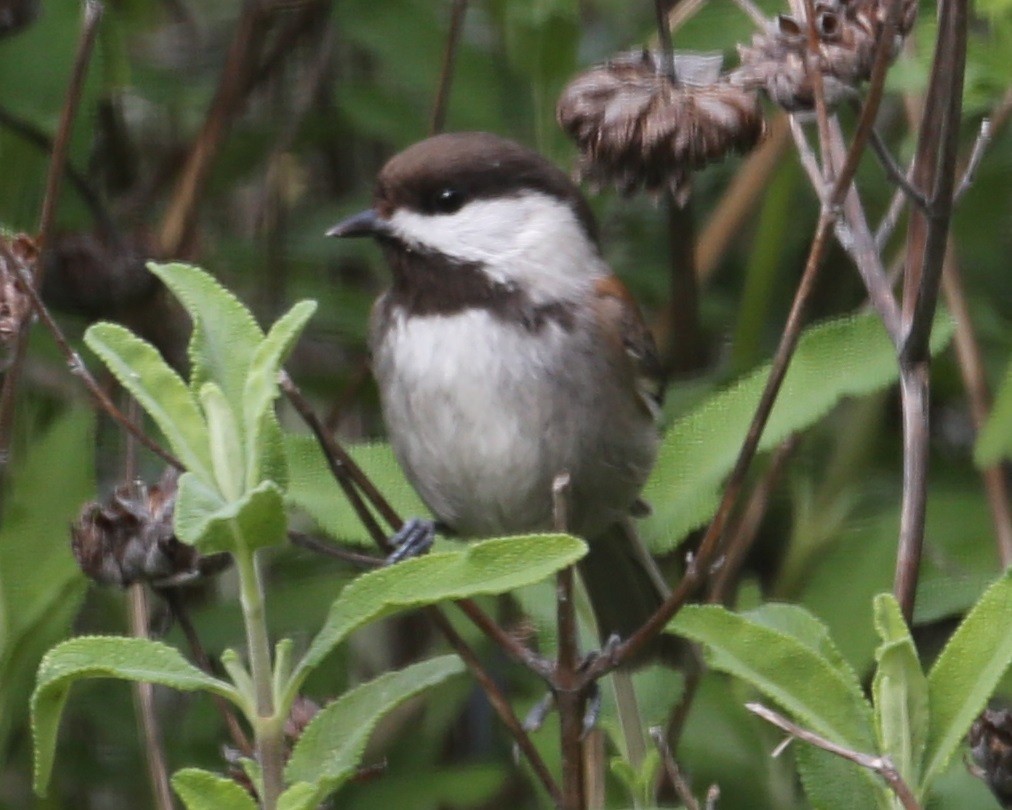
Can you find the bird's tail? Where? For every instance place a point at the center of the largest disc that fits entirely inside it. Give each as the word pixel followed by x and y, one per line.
pixel 625 589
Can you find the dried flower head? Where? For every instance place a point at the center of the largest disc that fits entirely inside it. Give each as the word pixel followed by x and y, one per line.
pixel 130 539
pixel 847 33
pixel 15 305
pixel 991 745
pixel 635 126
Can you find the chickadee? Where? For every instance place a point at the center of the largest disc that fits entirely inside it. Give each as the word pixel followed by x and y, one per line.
pixel 507 352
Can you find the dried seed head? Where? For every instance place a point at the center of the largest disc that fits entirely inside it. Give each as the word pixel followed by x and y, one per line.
pixel 847 32
pixel 991 745
pixel 130 539
pixel 15 306
pixel 302 713
pixel 636 127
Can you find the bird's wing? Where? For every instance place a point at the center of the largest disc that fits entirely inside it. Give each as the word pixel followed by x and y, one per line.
pixel 622 322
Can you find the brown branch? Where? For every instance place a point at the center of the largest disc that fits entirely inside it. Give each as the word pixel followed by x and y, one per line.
pixel 442 102
pixel 674 773
pixel 61 144
pixel 880 765
pixel 77 367
pixel 934 174
pixel 144 695
pixel 971 369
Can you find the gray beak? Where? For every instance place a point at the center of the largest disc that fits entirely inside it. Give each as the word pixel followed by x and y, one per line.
pixel 364 223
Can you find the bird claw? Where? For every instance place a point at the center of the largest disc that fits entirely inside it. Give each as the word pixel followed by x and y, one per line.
pixel 413 539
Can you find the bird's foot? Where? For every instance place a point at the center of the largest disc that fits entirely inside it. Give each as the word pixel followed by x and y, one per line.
pixel 413 539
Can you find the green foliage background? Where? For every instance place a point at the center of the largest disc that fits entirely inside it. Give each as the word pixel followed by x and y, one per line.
pixel 281 180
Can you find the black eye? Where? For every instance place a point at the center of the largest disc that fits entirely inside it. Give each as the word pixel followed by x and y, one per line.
pixel 446 201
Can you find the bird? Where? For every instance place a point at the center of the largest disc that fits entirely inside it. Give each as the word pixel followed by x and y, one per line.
pixel 507 353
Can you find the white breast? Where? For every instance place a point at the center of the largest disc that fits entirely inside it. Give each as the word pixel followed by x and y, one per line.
pixel 483 414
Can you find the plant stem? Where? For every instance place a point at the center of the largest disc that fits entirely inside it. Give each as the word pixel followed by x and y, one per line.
pixel 267 725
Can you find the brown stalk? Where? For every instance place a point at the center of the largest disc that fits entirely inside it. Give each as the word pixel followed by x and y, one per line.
pixel 144 695
pixel 880 765
pixel 181 215
pixel 442 102
pixel 673 771
pixel 93 10
pixel 934 175
pixel 971 368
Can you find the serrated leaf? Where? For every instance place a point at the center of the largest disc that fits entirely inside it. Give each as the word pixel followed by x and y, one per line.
pixel 966 673
pixel 129 659
pixel 900 692
pixel 485 567
pixel 141 370
pixel 203 790
pixel 261 387
pixel 204 520
pixel 994 442
pixel 329 750
pixel 312 487
pixel 224 440
pixel 225 333
pixel 797 677
pixel 846 357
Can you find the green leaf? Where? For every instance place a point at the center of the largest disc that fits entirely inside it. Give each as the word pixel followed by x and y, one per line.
pixel 329 750
pixel 312 487
pixel 204 520
pixel 41 585
pixel 994 442
pixel 900 691
pixel 300 796
pixel 129 659
pixel 806 683
pixel 966 673
pixel 225 334
pixel 225 441
pixel 203 790
pixel 790 669
pixel 261 387
pixel 486 567
pixel 161 392
pixel 846 357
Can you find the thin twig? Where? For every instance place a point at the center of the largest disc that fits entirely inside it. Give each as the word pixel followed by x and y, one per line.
pixel 144 693
pixel 890 219
pixel 61 145
pixel 671 768
pixel 971 368
pixel 77 367
pixel 569 692
pixel 880 765
pixel 976 155
pixel 442 102
pixel 894 172
pixel 177 607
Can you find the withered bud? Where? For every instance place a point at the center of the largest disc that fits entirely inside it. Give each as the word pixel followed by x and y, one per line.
pixel 301 715
pixel 991 746
pixel 16 252
pixel 636 127
pixel 847 33
pixel 130 539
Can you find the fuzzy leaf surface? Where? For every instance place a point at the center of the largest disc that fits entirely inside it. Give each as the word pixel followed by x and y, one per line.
pixel 329 750
pixel 204 520
pixel 481 568
pixel 965 675
pixel 203 790
pixel 840 358
pixel 140 369
pixel 128 659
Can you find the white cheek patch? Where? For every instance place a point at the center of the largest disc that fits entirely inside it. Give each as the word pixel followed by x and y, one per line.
pixel 530 238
